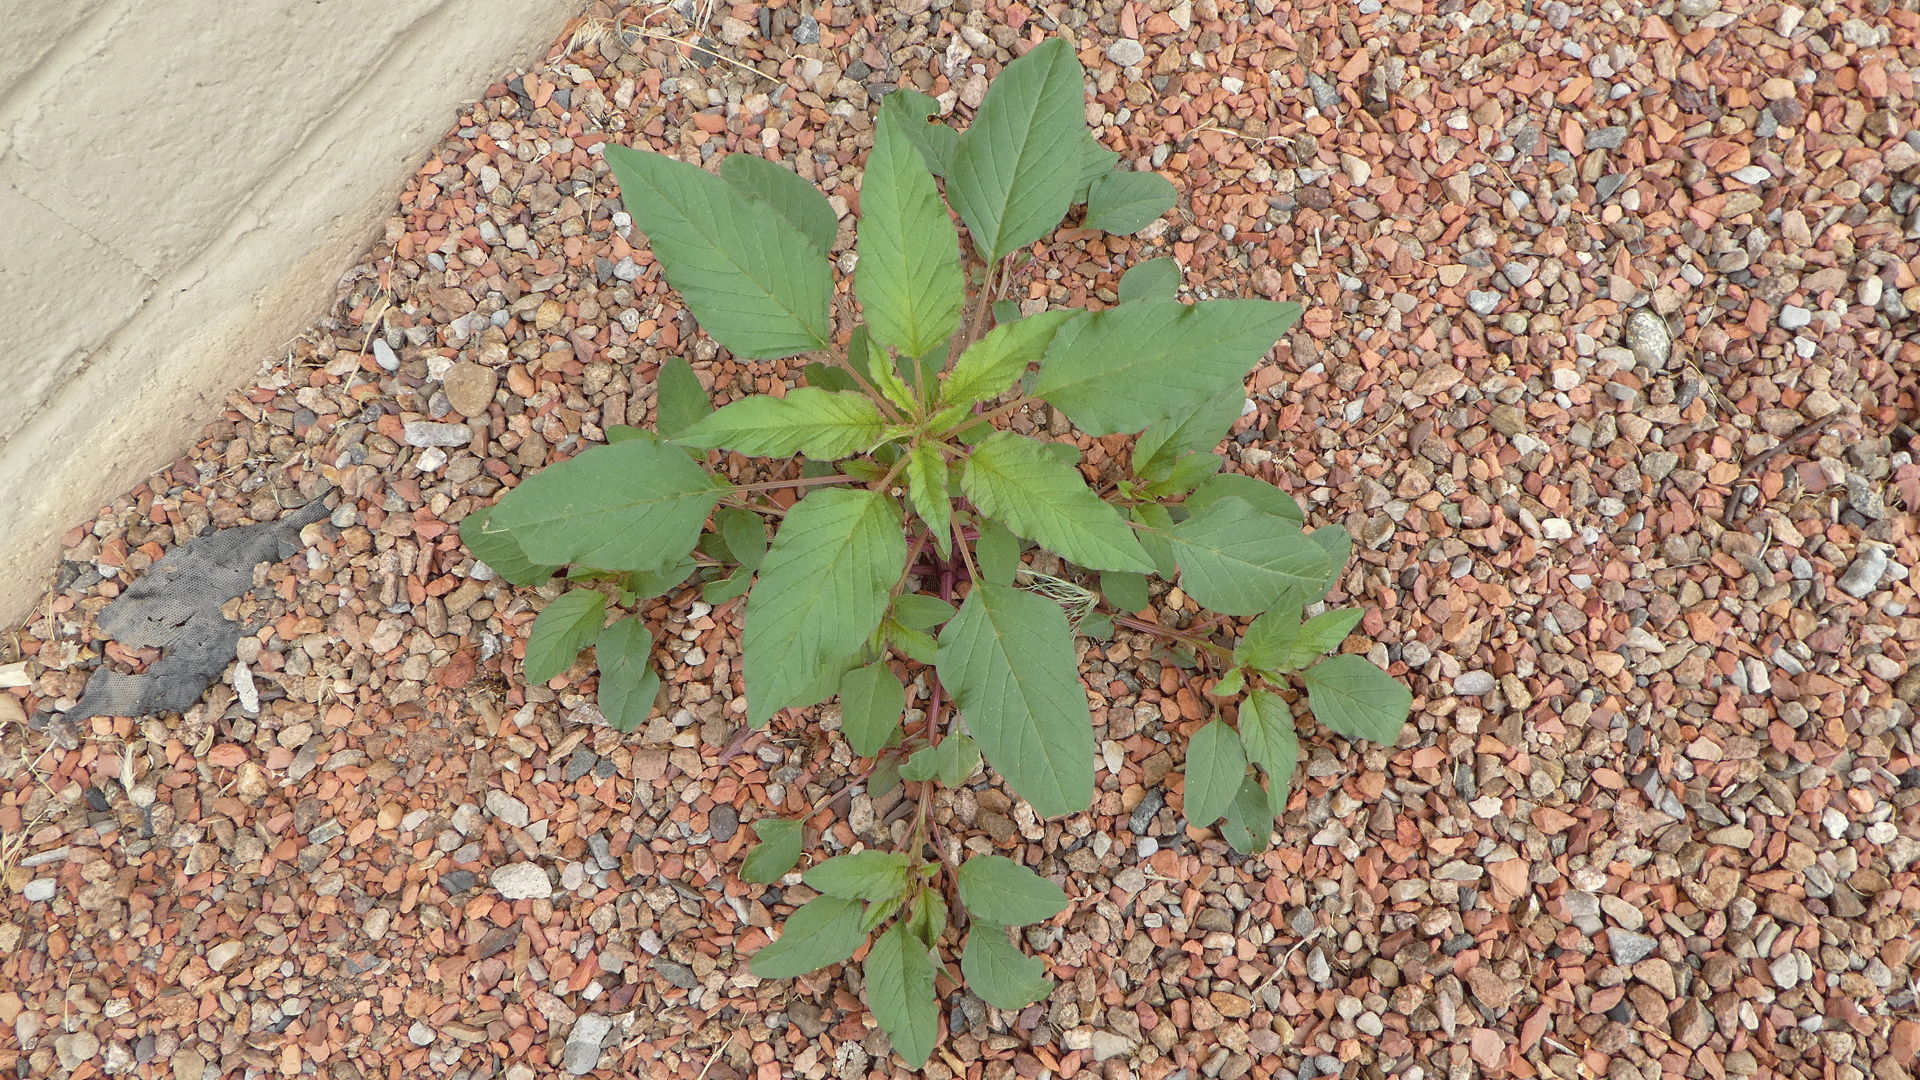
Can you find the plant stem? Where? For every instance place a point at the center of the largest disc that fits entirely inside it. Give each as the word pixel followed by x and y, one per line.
pixel 880 399
pixel 1172 635
pixel 988 417
pixel 803 481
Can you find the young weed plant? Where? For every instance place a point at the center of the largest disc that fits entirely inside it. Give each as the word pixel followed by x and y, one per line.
pixel 902 553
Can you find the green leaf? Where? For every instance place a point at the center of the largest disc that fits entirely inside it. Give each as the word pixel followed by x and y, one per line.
pixel 745 533
pixel 825 930
pixel 631 506
pixel 997 889
pixel 1096 626
pixel 1126 591
pixel 1096 161
pixel 1153 539
pixel 1001 974
pixel 868 875
pixel 725 589
pixel 647 584
pixel 993 363
pixel 928 919
pixel 872 701
pixel 757 284
pixel 1005 311
pixel 918 611
pixel 1238 561
pixel 499 550
pixel 1016 480
pixel 1358 700
pixel 879 912
pixel 1134 365
pixel 951 762
pixel 776 853
pixel 1249 823
pixel 628 682
pixel 927 490
pixel 563 628
pixel 1334 540
pixel 881 369
pixel 1266 730
pixel 1229 684
pixel 680 400
pixel 1216 763
pixel 822 591
pixel 1007 659
pixel 908 277
pixel 997 552
pixel 798 202
pixel 899 972
pixel 1126 202
pixel 1197 430
pixel 1155 279
pixel 619 433
pixel 824 377
pixel 1322 634
pixel 916 645
pixel 1268 643
pixel 1264 496
pixel 885 776
pixel 1008 179
pixel 935 141
pixel 1186 473
pixel 818 423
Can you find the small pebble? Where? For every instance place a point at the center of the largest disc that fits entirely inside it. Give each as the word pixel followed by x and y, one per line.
pixel 1126 53
pixel 1793 317
pixel 1483 301
pixel 39 890
pixel 1473 684
pixel 522 881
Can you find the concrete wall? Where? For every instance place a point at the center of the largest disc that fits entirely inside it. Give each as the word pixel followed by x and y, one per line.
pixel 182 184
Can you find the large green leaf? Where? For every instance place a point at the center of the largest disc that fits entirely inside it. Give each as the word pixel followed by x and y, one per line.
pixel 998 552
pixel 1000 973
pixel 825 930
pixel 920 612
pixel 500 550
pixel 1249 822
pixel 1008 178
pixel 1007 659
pixel 1126 591
pixel 1358 700
pixel 634 505
pixel 1125 202
pixel 1264 496
pixel 1015 479
pixel 822 590
pixel 1122 369
pixel 1238 561
pixel 776 853
pixel 628 682
pixel 1194 430
pixel 991 364
pixel 1266 730
pixel 1155 279
pixel 908 277
pixel 866 875
pixel 679 399
pixel 1216 763
pixel 796 200
pixel 757 284
pixel 818 423
pixel 927 489
pixel 899 971
pixel 872 701
pixel 935 141
pixel 564 627
pixel 997 889
pixel 745 533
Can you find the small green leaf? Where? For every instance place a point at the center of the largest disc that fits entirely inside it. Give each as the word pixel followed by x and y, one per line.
pixel 1008 178
pixel 908 278
pixel 1322 634
pixel 1126 202
pixel 1249 822
pixel 998 359
pixel 628 682
pixel 1229 684
pixel 745 533
pixel 880 912
pixel 725 589
pixel 822 591
pixel 927 490
pixel 1007 658
pixel 1266 730
pixel 998 553
pixel 825 930
pixel 1150 280
pixel 997 889
pixel 1358 700
pixel 918 611
pixel 498 549
pixel 1334 540
pixel 647 584
pixel 881 369
pixel 757 284
pixel 1096 161
pixel 899 972
pixel 1005 311
pixel 951 762
pixel 1124 590
pixel 1197 430
pixel 680 400
pixel 1262 495
pixel 796 200
pixel 1000 973
pixel 885 775
pixel 1216 763
pixel 836 379
pixel 935 141
pixel 1187 473
pixel 631 506
pixel 868 875
pixel 1096 626
pixel 928 919
pixel 1238 561
pixel 818 423
pixel 563 628
pixel 776 853
pixel 1153 538
pixel 1268 643
pixel 915 645
pixel 1016 480
pixel 872 701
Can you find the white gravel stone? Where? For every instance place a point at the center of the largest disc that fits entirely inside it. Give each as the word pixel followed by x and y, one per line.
pixel 1473 683
pixel 507 808
pixel 522 881
pixel 39 890
pixel 582 1054
pixel 1126 53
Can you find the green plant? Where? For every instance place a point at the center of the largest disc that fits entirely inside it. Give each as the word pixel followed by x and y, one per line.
pixel 905 551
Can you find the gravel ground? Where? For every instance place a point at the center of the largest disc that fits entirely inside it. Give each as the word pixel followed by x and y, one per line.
pixel 1608 363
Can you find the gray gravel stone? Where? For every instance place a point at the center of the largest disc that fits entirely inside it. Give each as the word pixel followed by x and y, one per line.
pixel 420 1034
pixel 1752 174
pixel 1325 97
pixel 384 355
pixel 1627 947
pixel 1864 575
pixel 1473 683
pixel 427 433
pixel 1647 335
pixel 39 891
pixel 1483 301
pixel 582 1054
pixel 1794 317
pixel 507 808
pixel 1126 53
pixel 808 32
pixel 1606 138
